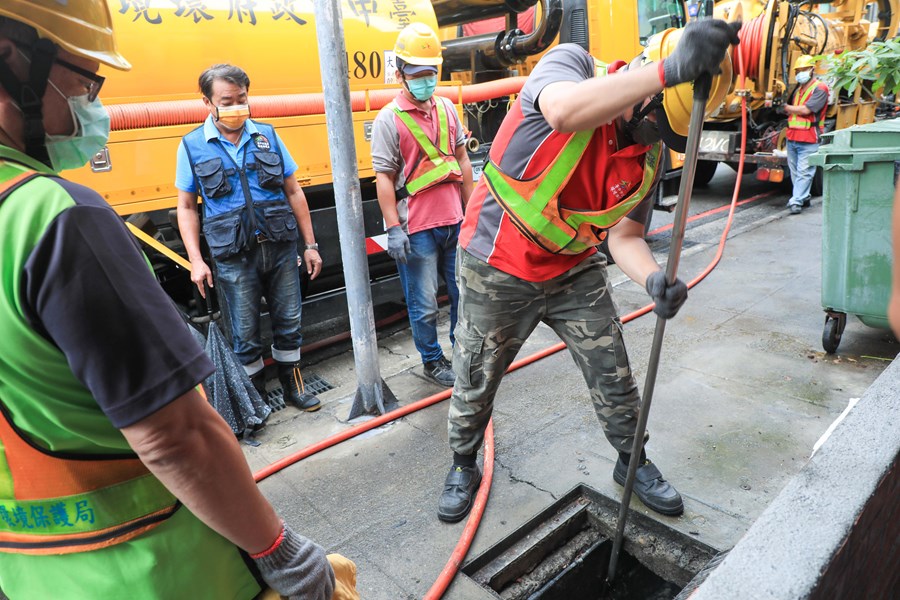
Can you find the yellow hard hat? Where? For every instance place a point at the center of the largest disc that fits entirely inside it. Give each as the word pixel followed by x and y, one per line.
pixel 418 44
pixel 678 100
pixel 804 61
pixel 82 27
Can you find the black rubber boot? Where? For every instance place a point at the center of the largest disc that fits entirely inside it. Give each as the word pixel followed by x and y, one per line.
pixel 259 382
pixel 294 391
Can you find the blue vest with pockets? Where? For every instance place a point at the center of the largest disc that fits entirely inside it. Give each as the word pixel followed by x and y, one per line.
pixel 241 200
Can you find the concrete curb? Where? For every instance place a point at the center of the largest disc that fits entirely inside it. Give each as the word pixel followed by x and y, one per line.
pixel 833 530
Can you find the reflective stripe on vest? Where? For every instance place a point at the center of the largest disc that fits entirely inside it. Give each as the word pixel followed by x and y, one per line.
pixel 806 121
pixel 59 503
pixel 533 205
pixel 439 164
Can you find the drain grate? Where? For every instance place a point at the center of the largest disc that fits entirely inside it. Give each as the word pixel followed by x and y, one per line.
pixel 314 384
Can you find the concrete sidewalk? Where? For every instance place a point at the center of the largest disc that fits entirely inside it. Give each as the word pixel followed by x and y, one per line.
pixel 744 390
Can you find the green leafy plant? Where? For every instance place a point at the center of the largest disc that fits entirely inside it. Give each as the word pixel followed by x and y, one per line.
pixel 875 69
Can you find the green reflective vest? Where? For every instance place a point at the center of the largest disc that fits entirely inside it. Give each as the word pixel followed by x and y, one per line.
pixel 439 164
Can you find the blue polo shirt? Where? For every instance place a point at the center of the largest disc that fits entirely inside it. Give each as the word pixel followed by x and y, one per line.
pixel 184 175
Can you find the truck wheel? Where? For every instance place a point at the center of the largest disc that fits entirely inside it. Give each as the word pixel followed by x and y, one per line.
pixel 705 171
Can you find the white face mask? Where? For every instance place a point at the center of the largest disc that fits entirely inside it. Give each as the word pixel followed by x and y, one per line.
pixel 803 77
pixel 90 135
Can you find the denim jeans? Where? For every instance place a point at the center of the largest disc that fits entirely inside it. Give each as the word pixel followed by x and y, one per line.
pixel 802 172
pixel 268 269
pixel 431 252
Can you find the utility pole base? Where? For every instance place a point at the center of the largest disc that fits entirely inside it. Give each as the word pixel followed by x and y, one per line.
pixel 372 400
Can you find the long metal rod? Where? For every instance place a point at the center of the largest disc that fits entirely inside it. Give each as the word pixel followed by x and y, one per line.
pixel 348 204
pixel 695 127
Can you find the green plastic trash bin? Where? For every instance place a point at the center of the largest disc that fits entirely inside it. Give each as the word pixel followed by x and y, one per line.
pixel 860 170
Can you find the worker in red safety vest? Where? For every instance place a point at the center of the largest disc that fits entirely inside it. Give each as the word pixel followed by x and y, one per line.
pixel 117 478
pixel 575 161
pixel 806 120
pixel 423 178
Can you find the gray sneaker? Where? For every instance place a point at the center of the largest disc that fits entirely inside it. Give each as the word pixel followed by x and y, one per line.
pixel 796 209
pixel 441 372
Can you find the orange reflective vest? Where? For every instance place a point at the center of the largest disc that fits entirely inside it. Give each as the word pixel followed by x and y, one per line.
pixel 800 127
pixel 63 502
pixel 439 165
pixel 533 205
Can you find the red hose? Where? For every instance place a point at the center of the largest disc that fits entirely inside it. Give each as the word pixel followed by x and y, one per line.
pixel 474 520
pixel 740 173
pixel 186 112
pixel 751 43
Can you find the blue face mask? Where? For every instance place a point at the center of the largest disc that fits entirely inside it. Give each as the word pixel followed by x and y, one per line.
pixel 422 88
pixel 90 136
pixel 803 77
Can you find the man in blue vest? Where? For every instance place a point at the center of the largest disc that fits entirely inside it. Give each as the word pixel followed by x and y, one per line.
pixel 118 479
pixel 252 209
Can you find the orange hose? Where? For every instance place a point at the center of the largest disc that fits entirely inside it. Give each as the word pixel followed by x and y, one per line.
pixel 185 112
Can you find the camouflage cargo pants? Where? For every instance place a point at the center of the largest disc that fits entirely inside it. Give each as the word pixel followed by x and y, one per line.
pixel 497 313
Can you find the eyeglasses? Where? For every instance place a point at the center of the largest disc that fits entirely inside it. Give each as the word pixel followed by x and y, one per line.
pixel 94 83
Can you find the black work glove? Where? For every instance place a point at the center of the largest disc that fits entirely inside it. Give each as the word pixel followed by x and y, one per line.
pixel 700 50
pixel 398 243
pixel 668 297
pixel 297 569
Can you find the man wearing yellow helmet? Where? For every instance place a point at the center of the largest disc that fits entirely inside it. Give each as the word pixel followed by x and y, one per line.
pixel 117 478
pixel 806 119
pixel 576 158
pixel 423 178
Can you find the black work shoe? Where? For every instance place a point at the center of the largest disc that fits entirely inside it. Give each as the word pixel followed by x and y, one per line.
pixel 259 382
pixel 807 203
pixel 649 485
pixel 459 489
pixel 441 372
pixel 294 390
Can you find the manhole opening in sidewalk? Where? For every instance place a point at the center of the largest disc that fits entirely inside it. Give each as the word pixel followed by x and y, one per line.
pixel 313 384
pixel 563 554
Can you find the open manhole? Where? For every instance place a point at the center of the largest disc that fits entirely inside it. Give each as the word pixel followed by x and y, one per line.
pixel 563 554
